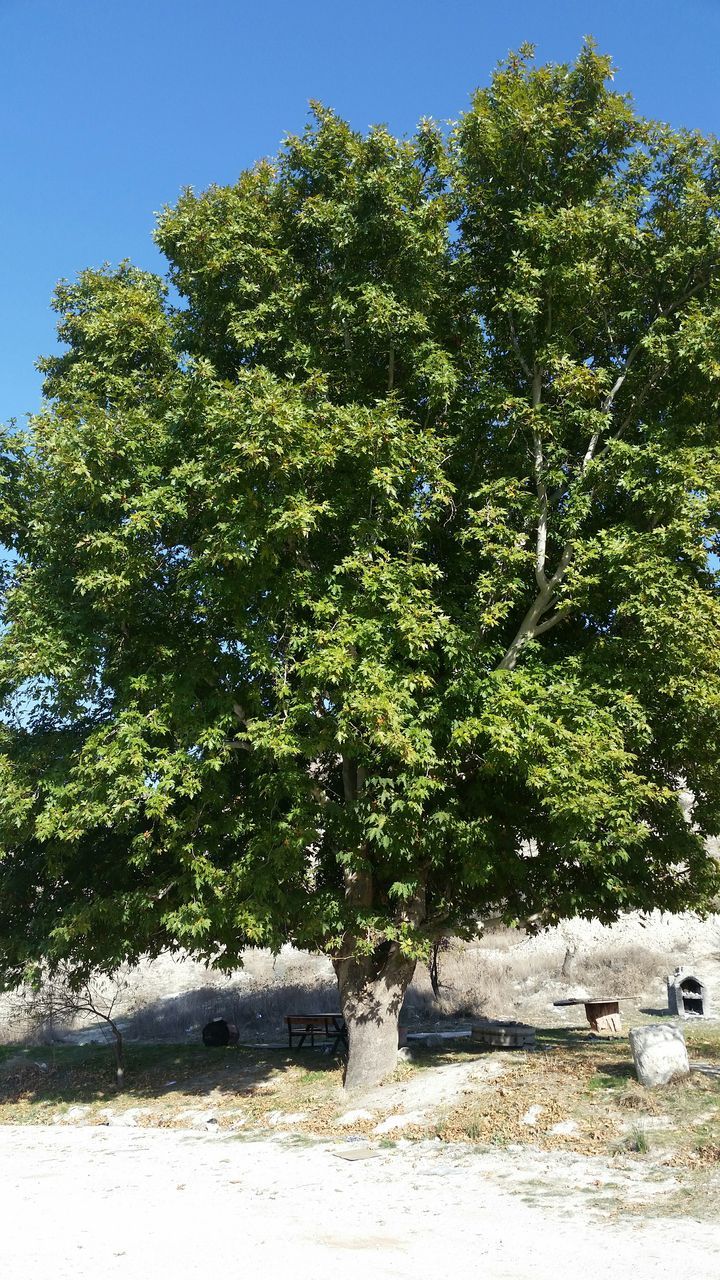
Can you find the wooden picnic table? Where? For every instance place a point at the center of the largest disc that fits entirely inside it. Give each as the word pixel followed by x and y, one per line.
pixel 328 1027
pixel 603 1013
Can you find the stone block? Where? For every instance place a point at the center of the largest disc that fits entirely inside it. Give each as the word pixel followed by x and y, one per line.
pixel 659 1054
pixel 400 1121
pixel 353 1117
pixel 504 1035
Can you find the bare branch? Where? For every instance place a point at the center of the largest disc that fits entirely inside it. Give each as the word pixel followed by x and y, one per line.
pixel 531 625
pixel 563 564
pixel 538 463
pixel 349 780
pixel 542 526
pixel 663 313
pixel 523 362
pixel 57 998
pixel 609 399
pixel 525 632
pixel 684 297
pixel 560 616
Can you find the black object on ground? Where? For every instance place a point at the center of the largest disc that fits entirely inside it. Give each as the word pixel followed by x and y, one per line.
pixel 219 1033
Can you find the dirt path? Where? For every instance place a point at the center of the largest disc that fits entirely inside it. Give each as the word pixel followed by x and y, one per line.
pixel 131 1203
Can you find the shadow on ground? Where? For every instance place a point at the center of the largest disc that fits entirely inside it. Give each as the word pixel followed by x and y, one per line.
pixel 85 1073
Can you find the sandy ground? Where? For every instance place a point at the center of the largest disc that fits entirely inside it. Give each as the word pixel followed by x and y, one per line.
pixel 136 1203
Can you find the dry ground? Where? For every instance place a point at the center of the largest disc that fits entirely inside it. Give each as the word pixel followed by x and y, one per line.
pixel 83 1202
pixel 575 1093
pixel 519 1164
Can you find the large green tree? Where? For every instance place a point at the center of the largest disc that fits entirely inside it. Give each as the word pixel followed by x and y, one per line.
pixel 363 583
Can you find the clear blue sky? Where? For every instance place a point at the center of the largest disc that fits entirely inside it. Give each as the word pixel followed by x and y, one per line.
pixel 110 107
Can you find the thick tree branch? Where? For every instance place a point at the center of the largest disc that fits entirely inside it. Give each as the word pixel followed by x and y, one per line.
pixel 609 399
pixel 538 463
pixel 533 624
pixel 563 563
pixel 358 882
pixel 560 616
pixel 542 525
pixel 238 744
pixel 349 780
pixel 525 632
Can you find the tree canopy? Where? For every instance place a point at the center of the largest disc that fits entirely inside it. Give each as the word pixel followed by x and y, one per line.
pixel 362 577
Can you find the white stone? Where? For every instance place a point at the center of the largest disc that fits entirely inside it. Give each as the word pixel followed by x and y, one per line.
pixel 282 1117
pixel 659 1054
pixel 532 1115
pixel 75 1113
pixel 188 1117
pixel 198 1119
pixel 393 1123
pixel 564 1127
pixel 126 1119
pixel 354 1117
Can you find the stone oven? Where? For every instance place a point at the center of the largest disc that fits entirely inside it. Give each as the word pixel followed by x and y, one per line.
pixel 687 995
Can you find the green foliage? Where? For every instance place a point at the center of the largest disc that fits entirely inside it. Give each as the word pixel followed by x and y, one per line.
pixel 369 587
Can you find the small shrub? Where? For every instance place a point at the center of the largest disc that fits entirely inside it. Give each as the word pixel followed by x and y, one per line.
pixel 636 1141
pixel 633 1100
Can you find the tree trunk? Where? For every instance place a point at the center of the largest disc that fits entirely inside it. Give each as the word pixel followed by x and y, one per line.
pixel 372 989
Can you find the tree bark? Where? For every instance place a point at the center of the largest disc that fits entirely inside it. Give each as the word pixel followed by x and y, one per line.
pixel 372 987
pixel 372 990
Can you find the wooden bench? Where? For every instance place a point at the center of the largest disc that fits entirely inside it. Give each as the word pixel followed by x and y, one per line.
pixel 328 1028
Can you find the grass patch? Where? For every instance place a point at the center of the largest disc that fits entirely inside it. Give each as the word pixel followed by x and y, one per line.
pixel 164 1080
pixel 605 1082
pixel 636 1141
